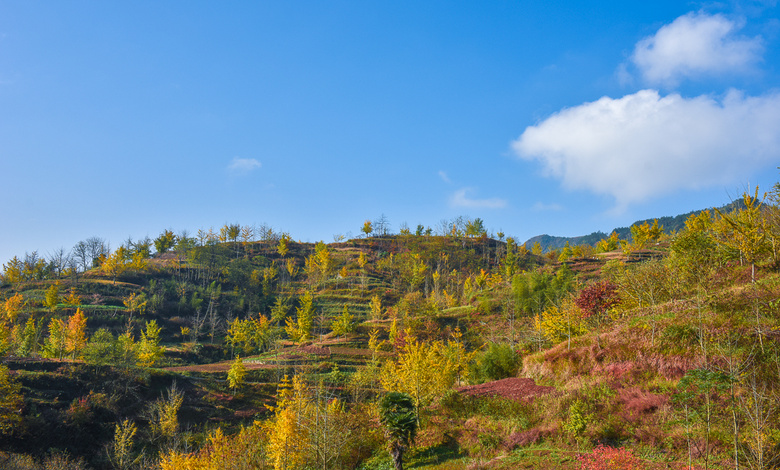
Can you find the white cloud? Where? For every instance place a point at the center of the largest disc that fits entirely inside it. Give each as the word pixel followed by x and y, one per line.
pixel 461 199
pixel 243 165
pixel 644 145
pixel 693 45
pixel 444 177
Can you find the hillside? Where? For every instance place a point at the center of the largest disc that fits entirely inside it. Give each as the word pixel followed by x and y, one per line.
pixel 246 349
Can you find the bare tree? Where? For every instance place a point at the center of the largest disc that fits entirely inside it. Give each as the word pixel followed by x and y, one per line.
pixel 759 407
pixel 59 260
pixel 381 226
pixel 81 255
pixel 197 322
pixel 88 251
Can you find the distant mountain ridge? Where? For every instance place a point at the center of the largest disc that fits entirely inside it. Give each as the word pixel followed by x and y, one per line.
pixel 669 223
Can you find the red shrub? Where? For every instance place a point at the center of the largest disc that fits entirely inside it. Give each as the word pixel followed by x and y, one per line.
pixel 610 458
pixel 597 298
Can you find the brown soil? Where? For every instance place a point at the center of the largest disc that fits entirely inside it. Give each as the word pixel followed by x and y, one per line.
pixel 514 388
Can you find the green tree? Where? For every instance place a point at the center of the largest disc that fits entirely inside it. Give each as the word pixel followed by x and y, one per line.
pixel 343 324
pixel 300 330
pixel 398 415
pixel 694 249
pixel 475 228
pixel 496 361
pixel 165 241
pixel 55 345
pixel 509 263
pixel 697 396
pixel 28 339
pixel 102 349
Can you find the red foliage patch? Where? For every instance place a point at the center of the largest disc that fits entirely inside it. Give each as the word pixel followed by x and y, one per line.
pixel 638 403
pixel 616 370
pixel 610 458
pixel 597 298
pixel 512 388
pixel 527 437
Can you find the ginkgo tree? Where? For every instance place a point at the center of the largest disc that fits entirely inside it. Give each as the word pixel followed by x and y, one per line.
pixel 425 370
pixel 236 374
pixel 745 230
pixel 300 329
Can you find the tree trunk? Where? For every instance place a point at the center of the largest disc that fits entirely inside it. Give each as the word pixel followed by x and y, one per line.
pixel 397 453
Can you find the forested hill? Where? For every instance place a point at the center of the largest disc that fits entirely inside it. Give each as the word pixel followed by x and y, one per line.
pixel 670 225
pixel 244 349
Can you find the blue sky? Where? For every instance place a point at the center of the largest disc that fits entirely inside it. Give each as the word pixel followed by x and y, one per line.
pixel 122 119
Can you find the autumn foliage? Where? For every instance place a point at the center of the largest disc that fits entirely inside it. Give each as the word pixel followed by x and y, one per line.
pixel 610 458
pixel 597 298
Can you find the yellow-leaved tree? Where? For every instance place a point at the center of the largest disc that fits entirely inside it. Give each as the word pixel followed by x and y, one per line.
pixel 424 370
pixel 116 263
pixel 288 438
pixel 309 429
pixel 12 307
pixel 248 335
pixel 236 374
pixel 558 323
pixel 643 234
pixel 324 259
pixel 284 245
pixel 243 450
pixel 300 330
pixel 163 415
pixel 149 349
pixel 745 230
pixel 76 338
pixel 52 297
pixel 376 307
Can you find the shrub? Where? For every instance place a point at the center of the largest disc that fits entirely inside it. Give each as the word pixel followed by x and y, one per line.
pixel 610 458
pixel 498 361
